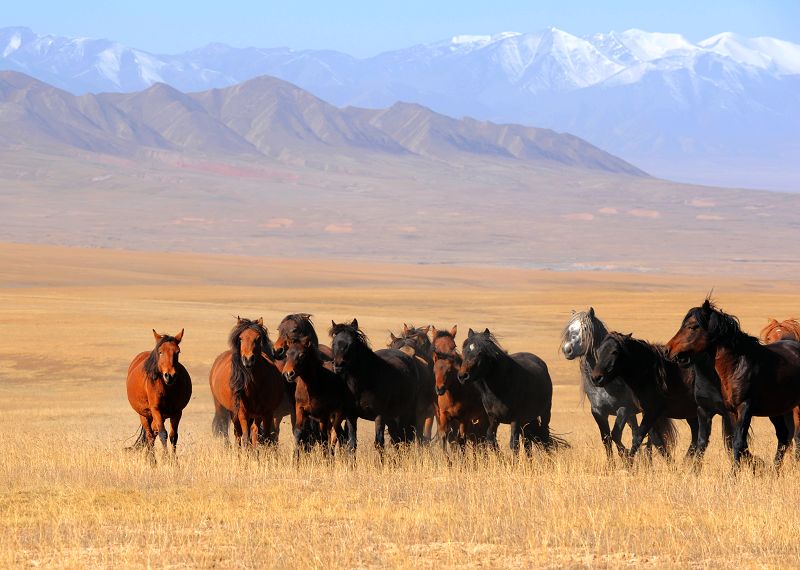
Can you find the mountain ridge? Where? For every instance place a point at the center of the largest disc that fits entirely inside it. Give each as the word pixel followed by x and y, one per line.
pixel 268 117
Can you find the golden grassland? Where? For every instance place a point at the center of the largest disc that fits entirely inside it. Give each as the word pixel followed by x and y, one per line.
pixel 70 496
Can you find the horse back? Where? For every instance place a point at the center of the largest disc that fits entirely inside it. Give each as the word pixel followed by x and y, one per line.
pixel 536 376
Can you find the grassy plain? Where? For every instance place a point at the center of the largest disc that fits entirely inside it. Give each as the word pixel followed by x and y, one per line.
pixel 71 320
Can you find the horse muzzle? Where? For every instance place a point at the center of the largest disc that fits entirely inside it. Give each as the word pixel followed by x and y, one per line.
pixel 600 379
pixel 279 353
pixel 168 378
pixel 463 378
pixel 682 359
pixel 289 375
pixel 440 390
pixel 247 361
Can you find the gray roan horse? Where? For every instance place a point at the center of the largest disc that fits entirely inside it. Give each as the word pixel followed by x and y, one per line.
pixel 580 338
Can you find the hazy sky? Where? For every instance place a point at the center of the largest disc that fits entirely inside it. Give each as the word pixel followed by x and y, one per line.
pixel 364 28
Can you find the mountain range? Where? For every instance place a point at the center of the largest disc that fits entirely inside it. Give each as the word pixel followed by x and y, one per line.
pixel 725 110
pixel 267 118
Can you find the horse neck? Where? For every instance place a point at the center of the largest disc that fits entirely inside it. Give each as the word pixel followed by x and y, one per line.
pixel 497 379
pixel 367 363
pixel 311 369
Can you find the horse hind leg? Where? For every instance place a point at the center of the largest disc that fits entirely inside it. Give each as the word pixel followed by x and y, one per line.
pixel 221 421
pixel 796 429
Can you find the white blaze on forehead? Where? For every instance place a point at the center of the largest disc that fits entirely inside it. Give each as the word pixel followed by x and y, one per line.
pixel 472 347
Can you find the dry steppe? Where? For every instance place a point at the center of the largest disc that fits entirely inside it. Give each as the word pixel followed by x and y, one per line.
pixel 71 319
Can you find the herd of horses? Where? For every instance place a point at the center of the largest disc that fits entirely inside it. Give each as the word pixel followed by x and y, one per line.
pixel 710 367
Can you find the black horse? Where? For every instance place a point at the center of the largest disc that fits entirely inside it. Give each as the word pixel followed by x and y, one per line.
pixel 320 396
pixel 385 386
pixel 662 388
pixel 515 389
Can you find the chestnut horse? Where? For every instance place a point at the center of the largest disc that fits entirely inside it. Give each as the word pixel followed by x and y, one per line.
pixel 159 387
pixel 785 330
pixel 245 382
pixel 515 389
pixel 320 395
pixel 414 341
pixel 460 411
pixel 755 379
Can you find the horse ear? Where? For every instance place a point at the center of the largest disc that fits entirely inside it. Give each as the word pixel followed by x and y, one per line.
pixel 433 331
pixel 707 305
pixel 260 321
pixel 454 330
pixel 591 312
pixel 629 335
pixel 391 336
pixel 773 321
pixel 405 329
pixel 238 319
pixel 354 324
pixel 470 333
pixel 427 329
pixel 486 331
pixel 157 336
pixel 179 336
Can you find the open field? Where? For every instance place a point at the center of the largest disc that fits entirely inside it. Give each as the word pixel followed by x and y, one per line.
pixel 71 320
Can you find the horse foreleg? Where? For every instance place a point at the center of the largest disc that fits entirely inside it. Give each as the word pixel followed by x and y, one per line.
pixel 745 413
pixel 174 421
pixel 649 418
pixel 694 428
pixel 151 439
pixel 491 434
pixel 704 420
pixel 299 420
pixel 516 433
pixel 784 436
pixel 605 433
pixel 796 422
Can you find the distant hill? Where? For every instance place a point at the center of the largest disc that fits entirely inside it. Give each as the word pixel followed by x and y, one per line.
pixel 268 117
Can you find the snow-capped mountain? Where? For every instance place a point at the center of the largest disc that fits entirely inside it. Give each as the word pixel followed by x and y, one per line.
pixel 710 111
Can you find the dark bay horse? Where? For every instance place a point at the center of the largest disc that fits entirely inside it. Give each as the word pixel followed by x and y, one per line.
pixel 661 387
pixel 414 341
pixel 515 389
pixel 159 388
pixel 384 386
pixel 320 395
pixel 297 330
pixel 580 339
pixel 785 330
pixel 755 379
pixel 246 383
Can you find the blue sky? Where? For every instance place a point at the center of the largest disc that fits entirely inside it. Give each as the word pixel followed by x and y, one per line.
pixel 364 28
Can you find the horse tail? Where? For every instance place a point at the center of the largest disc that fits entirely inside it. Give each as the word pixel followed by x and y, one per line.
pixel 555 442
pixel 665 431
pixel 221 421
pixel 141 439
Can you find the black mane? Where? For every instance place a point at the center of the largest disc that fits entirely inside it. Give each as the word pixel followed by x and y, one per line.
pixel 654 353
pixel 356 332
pixel 486 342
pixel 304 324
pixel 240 376
pixel 722 327
pixel 151 364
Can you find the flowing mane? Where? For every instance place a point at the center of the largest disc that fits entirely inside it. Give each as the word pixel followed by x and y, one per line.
pixel 791 326
pixel 593 331
pixel 486 342
pixel 151 364
pixel 722 327
pixel 304 325
pixel 655 354
pixel 241 376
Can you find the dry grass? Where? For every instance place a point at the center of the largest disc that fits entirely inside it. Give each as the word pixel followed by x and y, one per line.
pixel 71 497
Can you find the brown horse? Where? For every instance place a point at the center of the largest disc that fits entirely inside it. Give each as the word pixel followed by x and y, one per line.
pixel 460 410
pixel 245 382
pixel 775 331
pixel 414 341
pixel 755 380
pixel 159 387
